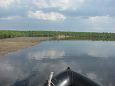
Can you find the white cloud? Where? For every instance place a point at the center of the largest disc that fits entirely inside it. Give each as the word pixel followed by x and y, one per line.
pixel 52 54
pixel 59 4
pixel 99 19
pixel 40 3
pixel 6 3
pixel 62 4
pixel 10 17
pixel 101 23
pixel 53 16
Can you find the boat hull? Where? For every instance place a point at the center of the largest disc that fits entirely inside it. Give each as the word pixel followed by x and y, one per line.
pixel 71 78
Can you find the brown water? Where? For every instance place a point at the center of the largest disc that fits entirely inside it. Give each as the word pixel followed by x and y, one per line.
pixel 93 59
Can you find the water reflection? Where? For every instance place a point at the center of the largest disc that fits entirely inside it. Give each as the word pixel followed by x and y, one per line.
pixel 51 54
pixel 33 65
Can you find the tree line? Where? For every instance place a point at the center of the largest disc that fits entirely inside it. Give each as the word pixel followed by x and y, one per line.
pixel 58 35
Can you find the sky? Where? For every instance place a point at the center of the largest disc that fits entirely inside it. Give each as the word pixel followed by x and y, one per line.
pixel 58 15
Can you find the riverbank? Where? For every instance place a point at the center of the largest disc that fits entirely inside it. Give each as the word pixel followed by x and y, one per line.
pixel 14 44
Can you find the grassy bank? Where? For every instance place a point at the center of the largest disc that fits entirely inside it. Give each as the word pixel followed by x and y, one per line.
pixel 59 35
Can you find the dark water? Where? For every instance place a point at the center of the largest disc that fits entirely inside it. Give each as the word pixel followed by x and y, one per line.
pixel 94 59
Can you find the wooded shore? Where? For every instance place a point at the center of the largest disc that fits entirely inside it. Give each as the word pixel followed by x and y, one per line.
pixel 11 40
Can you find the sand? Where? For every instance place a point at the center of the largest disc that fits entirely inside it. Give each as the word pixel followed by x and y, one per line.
pixel 14 44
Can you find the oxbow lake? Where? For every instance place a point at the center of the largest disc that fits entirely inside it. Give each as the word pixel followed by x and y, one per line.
pixel 93 59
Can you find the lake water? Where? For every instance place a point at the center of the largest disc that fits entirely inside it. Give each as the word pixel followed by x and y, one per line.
pixel 94 59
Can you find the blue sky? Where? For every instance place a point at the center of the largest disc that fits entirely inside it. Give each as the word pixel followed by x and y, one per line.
pixel 60 15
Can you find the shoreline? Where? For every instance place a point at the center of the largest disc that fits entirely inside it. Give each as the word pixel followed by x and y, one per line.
pixel 14 44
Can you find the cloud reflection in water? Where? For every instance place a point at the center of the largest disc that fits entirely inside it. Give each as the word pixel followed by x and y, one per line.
pixel 51 54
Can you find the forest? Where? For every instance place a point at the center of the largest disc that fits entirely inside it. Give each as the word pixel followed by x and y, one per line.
pixel 59 35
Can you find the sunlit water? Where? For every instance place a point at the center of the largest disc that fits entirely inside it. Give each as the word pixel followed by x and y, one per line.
pixel 94 59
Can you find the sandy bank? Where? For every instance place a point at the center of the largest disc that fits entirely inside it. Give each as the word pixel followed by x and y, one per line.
pixel 13 44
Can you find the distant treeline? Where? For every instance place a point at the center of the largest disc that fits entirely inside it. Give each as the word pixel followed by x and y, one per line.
pixel 59 35
pixel 12 34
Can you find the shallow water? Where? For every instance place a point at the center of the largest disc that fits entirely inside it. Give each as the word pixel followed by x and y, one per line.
pixel 94 59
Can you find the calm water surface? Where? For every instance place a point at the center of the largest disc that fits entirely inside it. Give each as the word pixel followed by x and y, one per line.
pixel 94 59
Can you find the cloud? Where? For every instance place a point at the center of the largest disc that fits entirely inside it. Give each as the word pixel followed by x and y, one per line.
pixel 59 4
pixel 10 17
pixel 99 19
pixel 52 54
pixel 101 23
pixel 6 3
pixel 94 15
pixel 53 16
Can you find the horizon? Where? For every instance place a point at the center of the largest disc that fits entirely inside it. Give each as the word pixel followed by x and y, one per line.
pixel 58 15
pixel 58 31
